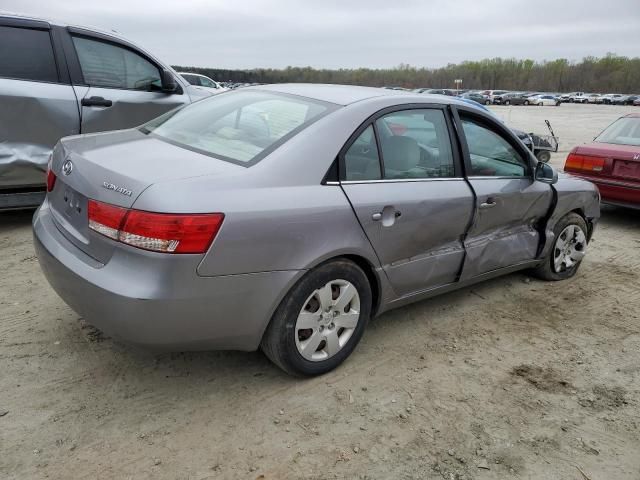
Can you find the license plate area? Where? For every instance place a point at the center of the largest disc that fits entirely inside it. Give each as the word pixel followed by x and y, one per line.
pixel 626 169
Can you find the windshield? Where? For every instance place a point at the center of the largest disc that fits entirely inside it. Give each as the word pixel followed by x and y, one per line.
pixel 240 127
pixel 624 131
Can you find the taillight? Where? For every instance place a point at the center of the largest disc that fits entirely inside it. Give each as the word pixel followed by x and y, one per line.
pixel 584 163
pixel 159 232
pixel 51 180
pixel 106 219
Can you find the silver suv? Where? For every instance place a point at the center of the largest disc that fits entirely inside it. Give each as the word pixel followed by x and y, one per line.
pixel 58 80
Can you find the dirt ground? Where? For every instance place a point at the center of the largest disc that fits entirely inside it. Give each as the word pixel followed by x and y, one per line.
pixel 514 378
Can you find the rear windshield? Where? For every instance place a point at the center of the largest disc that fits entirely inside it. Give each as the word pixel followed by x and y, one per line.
pixel 240 127
pixel 624 131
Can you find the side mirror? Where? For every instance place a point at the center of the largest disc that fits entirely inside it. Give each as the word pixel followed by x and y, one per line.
pixel 169 83
pixel 546 173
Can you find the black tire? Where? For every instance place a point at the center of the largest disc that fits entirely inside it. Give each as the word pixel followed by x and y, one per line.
pixel 546 270
pixel 526 102
pixel 279 340
pixel 543 155
pixel 507 102
pixel 487 102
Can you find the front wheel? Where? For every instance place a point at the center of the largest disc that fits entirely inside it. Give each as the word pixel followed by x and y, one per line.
pixel 570 244
pixel 507 102
pixel 526 102
pixel 321 320
pixel 487 102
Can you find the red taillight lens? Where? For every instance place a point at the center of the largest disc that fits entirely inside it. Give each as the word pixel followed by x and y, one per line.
pixel 159 232
pixel 51 179
pixel 584 163
pixel 106 219
pixel 170 232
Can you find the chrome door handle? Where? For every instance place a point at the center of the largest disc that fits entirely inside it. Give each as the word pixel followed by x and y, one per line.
pixel 376 216
pixel 490 203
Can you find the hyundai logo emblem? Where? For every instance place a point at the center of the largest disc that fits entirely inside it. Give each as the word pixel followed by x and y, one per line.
pixel 67 167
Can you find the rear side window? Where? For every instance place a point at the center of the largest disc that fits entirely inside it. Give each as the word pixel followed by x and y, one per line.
pixel 192 79
pixel 107 65
pixel 415 144
pixel 27 54
pixel 241 127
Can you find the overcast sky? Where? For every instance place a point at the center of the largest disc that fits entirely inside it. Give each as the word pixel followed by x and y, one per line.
pixel 355 33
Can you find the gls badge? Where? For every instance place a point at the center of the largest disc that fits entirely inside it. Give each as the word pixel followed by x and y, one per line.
pixel 115 188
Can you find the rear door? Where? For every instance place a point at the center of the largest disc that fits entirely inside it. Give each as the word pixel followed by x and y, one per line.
pixel 403 179
pixel 509 203
pixel 37 103
pixel 117 86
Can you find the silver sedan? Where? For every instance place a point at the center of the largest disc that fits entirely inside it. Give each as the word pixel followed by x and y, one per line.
pixel 284 217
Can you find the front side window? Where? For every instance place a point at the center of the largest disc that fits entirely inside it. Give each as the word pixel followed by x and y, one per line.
pixel 361 160
pixel 624 131
pixel 27 54
pixel 415 144
pixel 241 127
pixel 107 65
pixel 490 154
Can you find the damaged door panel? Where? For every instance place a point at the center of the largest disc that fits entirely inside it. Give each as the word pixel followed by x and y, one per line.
pixel 510 203
pixel 33 117
pixel 38 105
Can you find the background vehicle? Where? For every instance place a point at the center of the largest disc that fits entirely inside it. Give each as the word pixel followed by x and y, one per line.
pixel 636 102
pixel 612 162
pixel 624 100
pixel 579 97
pixel 544 100
pixel 594 98
pixel 610 98
pixel 477 97
pixel 67 80
pixel 511 98
pixel 438 91
pixel 397 176
pixel 203 81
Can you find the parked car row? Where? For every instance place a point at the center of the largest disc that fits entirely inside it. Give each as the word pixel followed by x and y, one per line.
pixel 598 98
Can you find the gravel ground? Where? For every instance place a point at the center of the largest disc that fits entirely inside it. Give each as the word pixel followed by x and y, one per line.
pixel 513 378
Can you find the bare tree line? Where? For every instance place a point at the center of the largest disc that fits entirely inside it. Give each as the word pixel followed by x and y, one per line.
pixel 608 74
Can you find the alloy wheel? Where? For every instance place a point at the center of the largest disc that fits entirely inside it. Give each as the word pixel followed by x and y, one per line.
pixel 327 320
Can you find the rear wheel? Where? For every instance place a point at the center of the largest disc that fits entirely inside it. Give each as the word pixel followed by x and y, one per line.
pixel 568 250
pixel 321 320
pixel 487 102
pixel 526 102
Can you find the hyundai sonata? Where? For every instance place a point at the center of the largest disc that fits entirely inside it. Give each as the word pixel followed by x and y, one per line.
pixel 284 217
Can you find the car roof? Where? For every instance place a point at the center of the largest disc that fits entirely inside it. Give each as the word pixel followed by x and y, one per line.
pixel 61 23
pixel 348 94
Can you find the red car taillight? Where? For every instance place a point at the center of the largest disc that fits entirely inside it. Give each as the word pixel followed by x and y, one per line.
pixel 51 179
pixel 159 232
pixel 583 163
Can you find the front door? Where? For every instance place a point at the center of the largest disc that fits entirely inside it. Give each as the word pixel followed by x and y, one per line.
pixel 124 87
pixel 509 202
pixel 403 180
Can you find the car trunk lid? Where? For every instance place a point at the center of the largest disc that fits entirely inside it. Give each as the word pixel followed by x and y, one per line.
pixel 115 168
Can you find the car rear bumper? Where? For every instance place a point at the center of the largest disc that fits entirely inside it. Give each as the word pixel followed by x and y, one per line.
pixel 616 192
pixel 150 300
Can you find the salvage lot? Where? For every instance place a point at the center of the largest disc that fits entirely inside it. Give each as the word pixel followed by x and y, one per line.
pixel 514 378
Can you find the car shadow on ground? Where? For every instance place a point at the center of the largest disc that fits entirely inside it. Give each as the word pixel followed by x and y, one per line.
pixel 15 219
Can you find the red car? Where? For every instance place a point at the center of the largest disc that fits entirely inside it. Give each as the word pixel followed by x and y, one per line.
pixel 612 162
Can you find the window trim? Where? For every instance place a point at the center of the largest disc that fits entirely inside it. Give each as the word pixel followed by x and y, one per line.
pixel 371 120
pixel 499 129
pixel 78 77
pixel 55 49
